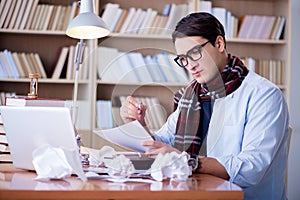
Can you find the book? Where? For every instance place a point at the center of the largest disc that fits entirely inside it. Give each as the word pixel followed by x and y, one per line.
pixel 128 19
pixel 27 65
pixel 5 64
pixel 40 65
pixel 127 71
pixel 9 14
pixel 25 101
pixel 268 24
pixel 39 17
pixel 134 20
pixel 153 69
pixel 71 64
pixel 35 17
pixel 56 18
pixel 20 14
pixel 280 30
pixel 48 16
pixel 18 64
pixel 104 114
pixel 108 69
pixel 129 136
pixel 139 21
pixel 31 14
pixel 60 63
pixel 5 5
pixel 11 64
pixel 26 14
pixel 121 21
pixel 23 64
pixel 14 15
pixel 62 15
pixel 73 11
pixel 109 15
pixel 148 22
pixel 139 66
pixel 66 17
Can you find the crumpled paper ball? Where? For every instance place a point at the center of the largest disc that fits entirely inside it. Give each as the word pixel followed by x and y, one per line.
pixel 170 165
pixel 56 163
pixel 119 167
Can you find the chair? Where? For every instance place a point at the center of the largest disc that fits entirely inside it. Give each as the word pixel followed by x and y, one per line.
pixel 288 150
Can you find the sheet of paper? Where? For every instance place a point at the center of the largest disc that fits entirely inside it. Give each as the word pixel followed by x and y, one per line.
pixel 130 136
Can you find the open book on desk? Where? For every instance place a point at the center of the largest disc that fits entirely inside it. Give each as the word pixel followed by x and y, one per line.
pixel 129 136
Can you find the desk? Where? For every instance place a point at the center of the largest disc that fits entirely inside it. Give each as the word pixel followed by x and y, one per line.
pixel 20 184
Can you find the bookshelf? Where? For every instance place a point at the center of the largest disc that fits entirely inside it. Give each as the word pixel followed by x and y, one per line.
pixel 47 43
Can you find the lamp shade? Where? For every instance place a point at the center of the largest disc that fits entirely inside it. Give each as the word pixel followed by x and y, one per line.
pixel 87 25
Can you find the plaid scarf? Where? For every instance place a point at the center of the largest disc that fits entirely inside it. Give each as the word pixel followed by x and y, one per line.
pixel 194 102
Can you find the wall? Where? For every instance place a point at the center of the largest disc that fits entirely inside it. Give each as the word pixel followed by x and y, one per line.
pixel 294 157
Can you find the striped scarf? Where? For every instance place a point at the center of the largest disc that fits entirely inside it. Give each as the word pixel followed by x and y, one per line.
pixel 194 102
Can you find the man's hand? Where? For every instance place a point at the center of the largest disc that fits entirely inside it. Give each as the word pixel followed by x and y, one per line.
pixel 212 166
pixel 132 110
pixel 159 147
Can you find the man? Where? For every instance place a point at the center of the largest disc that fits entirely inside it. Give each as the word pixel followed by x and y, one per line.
pixel 234 120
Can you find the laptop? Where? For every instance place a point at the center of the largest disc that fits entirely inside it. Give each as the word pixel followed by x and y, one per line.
pixel 28 128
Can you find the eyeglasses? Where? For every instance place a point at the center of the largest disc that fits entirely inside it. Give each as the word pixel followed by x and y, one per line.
pixel 194 54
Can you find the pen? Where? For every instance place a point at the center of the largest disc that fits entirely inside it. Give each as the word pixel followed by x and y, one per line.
pixel 140 105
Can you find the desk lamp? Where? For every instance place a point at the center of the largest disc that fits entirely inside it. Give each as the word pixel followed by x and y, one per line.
pixel 86 25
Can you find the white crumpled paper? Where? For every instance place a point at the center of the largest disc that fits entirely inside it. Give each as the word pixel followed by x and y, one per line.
pixel 119 167
pixel 171 165
pixel 57 163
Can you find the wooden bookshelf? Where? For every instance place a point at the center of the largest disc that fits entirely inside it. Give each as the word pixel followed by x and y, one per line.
pixel 47 43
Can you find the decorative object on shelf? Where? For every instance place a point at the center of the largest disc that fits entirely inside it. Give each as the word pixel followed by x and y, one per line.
pixel 87 25
pixel 33 85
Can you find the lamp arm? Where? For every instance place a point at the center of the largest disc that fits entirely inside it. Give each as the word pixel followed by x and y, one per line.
pixel 78 62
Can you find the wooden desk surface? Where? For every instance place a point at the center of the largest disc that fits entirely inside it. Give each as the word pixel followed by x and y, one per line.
pixel 19 184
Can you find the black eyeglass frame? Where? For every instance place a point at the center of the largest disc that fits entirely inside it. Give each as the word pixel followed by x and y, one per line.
pixel 198 47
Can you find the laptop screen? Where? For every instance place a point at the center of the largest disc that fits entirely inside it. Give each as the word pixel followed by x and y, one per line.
pixel 27 128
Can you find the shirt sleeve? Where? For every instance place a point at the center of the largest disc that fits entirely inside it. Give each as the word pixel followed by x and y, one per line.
pixel 166 133
pixel 265 132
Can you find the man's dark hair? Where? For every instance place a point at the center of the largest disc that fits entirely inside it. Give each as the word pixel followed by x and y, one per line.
pixel 199 24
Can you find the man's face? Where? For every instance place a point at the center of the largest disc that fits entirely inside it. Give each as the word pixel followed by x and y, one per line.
pixel 199 56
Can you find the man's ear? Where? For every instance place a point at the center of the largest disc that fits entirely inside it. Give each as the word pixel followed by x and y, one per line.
pixel 220 43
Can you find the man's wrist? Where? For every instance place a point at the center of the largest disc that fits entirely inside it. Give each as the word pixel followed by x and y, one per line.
pixel 193 162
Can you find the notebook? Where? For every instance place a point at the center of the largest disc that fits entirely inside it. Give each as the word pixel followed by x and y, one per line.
pixel 27 128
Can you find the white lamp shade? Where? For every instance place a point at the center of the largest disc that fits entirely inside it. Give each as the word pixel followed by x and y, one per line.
pixel 87 25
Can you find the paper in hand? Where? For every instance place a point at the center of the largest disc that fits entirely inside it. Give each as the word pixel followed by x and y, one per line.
pixel 129 136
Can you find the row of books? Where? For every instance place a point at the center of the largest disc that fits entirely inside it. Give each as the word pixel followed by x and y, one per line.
pixel 268 68
pixel 20 65
pixel 30 15
pixel 133 67
pixel 261 27
pixel 65 65
pixel 150 21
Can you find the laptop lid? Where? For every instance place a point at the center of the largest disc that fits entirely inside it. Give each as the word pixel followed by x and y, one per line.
pixel 28 128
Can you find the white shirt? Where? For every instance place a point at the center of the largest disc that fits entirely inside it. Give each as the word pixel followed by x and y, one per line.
pixel 247 135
